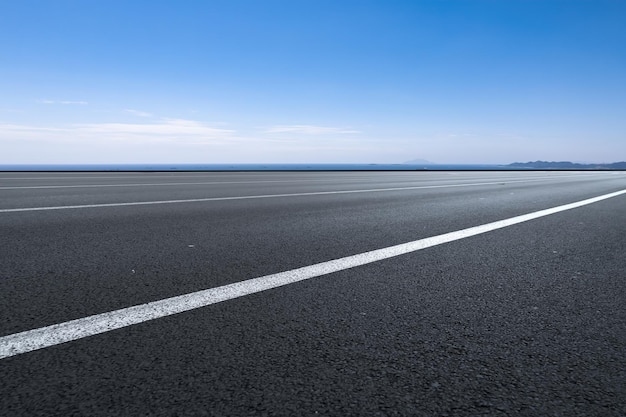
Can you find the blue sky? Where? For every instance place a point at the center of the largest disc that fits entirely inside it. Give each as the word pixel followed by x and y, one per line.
pixel 467 81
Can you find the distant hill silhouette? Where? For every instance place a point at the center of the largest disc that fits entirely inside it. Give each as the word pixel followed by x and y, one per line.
pixel 419 162
pixel 566 165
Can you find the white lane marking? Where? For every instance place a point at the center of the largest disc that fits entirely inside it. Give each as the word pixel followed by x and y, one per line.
pixel 30 187
pixel 249 197
pixel 43 337
pixel 350 174
pixel 42 187
pixel 182 174
pixel 112 177
pixel 140 174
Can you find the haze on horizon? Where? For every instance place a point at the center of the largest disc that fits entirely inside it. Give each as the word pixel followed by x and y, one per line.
pixel 454 82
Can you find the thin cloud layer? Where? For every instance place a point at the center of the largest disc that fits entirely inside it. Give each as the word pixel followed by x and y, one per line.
pixel 138 113
pixel 173 140
pixel 65 102
pixel 308 130
pixel 175 130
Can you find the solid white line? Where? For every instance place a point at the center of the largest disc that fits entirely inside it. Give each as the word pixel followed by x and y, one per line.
pixel 140 174
pixel 31 187
pixel 43 187
pixel 249 197
pixel 43 337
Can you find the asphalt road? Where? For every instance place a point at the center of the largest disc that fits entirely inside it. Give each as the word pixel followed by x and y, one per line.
pixel 528 319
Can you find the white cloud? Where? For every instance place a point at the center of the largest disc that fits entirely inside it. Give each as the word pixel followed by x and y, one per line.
pixel 8 131
pixel 308 130
pixel 64 102
pixel 138 113
pixel 172 130
pixel 170 140
pixel 167 129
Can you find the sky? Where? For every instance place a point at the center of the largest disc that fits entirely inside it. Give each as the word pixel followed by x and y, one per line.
pixel 312 81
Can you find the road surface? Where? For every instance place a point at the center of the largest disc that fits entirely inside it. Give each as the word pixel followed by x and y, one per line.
pixel 468 309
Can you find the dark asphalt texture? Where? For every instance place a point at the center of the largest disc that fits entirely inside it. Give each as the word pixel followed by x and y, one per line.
pixel 527 320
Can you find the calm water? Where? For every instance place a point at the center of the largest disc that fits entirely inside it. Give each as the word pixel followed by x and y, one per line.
pixel 249 167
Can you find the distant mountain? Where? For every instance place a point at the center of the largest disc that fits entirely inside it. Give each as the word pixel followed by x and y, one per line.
pixel 419 162
pixel 566 165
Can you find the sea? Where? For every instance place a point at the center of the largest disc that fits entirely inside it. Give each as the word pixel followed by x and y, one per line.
pixel 249 167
